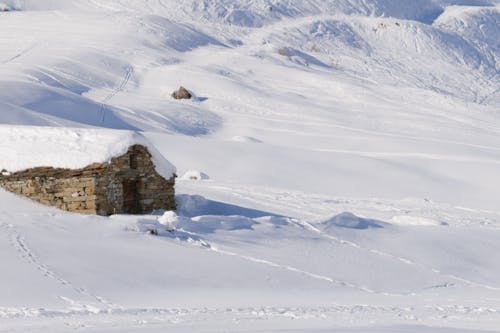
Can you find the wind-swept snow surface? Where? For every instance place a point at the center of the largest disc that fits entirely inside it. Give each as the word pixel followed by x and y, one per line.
pixel 339 165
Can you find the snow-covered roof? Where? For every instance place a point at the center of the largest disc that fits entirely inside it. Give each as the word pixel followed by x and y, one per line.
pixel 23 147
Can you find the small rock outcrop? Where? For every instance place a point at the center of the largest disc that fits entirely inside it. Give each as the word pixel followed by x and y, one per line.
pixel 182 93
pixel 286 52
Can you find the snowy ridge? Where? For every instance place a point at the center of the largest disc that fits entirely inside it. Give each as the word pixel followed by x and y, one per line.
pixel 23 147
pixel 479 27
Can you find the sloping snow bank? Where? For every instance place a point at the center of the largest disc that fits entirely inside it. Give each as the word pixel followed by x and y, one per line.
pixel 23 147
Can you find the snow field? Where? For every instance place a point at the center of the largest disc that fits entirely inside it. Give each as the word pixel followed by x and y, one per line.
pixel 352 149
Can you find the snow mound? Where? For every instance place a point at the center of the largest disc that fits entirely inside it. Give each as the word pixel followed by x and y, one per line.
pixel 414 221
pixel 194 175
pixel 350 221
pixel 212 224
pixel 24 147
pixel 169 219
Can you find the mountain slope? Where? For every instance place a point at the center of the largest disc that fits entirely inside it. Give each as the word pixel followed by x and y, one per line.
pixel 84 69
pixel 347 151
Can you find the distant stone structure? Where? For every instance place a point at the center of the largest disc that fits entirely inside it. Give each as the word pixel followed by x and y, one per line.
pixel 128 184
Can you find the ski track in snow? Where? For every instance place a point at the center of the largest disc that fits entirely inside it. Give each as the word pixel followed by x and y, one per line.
pixel 123 83
pixel 19 55
pixel 184 314
pixel 18 241
pixel 398 258
pixel 249 195
pixel 217 249
pixel 356 246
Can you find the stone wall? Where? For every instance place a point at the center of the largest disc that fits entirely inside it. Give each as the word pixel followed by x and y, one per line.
pixel 131 185
pixel 127 184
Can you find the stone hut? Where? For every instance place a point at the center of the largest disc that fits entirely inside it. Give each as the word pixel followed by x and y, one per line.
pixel 125 184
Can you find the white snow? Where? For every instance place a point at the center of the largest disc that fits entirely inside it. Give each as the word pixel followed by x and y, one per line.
pixel 414 220
pixel 194 175
pixel 169 219
pixel 353 181
pixel 23 147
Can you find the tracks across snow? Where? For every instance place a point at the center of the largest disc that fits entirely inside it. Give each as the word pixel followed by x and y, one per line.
pixel 340 314
pixel 18 241
pixel 20 54
pixel 343 242
pixel 400 259
pixel 121 86
pixel 217 249
pixel 279 201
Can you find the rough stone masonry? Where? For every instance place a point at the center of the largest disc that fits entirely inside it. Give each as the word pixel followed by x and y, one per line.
pixel 128 184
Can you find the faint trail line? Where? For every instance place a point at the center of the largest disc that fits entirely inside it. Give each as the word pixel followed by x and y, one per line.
pixel 19 55
pixel 424 156
pixel 121 86
pixel 19 243
pixel 57 75
pixel 403 260
pixel 408 313
pixel 395 257
pixel 296 270
pixel 329 279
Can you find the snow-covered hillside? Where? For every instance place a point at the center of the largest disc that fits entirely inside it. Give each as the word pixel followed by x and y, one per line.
pixel 346 151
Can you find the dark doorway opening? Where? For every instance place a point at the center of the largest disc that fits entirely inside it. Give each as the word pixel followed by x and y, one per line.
pixel 130 199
